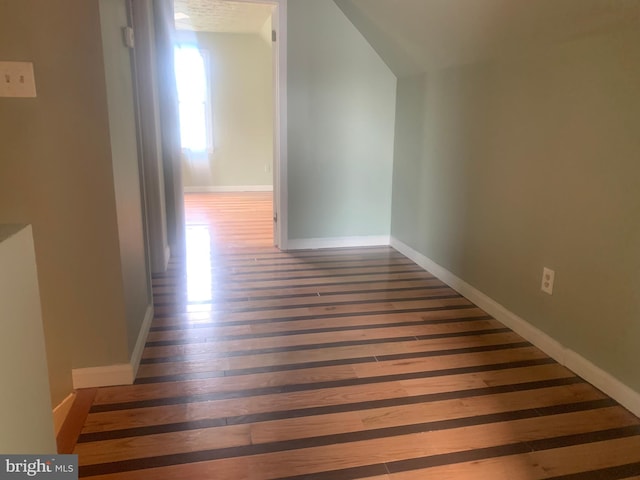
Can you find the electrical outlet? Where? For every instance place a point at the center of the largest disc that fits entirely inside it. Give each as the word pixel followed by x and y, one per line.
pixel 17 79
pixel 548 277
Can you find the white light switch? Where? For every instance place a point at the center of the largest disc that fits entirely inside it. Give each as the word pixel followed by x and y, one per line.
pixel 17 79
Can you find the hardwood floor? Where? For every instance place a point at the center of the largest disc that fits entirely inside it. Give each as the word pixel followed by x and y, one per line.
pixel 338 364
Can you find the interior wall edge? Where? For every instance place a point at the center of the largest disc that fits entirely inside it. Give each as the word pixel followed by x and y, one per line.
pixel 136 355
pixel 61 411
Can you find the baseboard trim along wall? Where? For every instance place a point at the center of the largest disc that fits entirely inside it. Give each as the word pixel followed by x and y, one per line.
pixel 167 256
pixel 61 411
pixel 601 379
pixel 119 374
pixel 90 377
pixel 136 355
pixel 337 242
pixel 229 188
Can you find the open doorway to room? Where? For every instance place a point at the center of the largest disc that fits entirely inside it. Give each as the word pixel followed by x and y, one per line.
pixel 224 63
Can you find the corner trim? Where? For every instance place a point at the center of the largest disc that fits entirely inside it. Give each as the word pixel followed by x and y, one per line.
pixel 229 188
pixel 136 355
pixel 575 362
pixel 119 374
pixel 167 257
pixel 337 242
pixel 61 411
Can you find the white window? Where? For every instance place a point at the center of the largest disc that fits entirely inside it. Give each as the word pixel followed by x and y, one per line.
pixel 192 79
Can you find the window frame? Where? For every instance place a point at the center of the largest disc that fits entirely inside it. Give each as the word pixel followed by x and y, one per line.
pixel 208 106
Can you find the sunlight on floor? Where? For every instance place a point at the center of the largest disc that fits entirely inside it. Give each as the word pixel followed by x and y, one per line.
pixel 199 282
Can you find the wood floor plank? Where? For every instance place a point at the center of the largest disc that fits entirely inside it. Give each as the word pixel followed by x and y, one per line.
pixel 408 349
pixel 287 429
pixel 312 334
pixel 344 398
pixel 577 460
pixel 311 311
pixel 163 444
pixel 309 275
pixel 315 300
pixel 594 456
pixel 428 316
pixel 205 344
pixel 479 405
pixel 313 376
pixel 304 461
pixel 330 280
pixel 229 294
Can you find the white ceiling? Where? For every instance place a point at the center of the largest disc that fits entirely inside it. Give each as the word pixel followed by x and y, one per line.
pixel 418 35
pixel 221 16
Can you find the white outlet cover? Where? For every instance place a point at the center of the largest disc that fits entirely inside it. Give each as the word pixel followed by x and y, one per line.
pixel 17 80
pixel 548 276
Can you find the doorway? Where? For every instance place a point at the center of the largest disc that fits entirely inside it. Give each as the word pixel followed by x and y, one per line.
pixel 227 78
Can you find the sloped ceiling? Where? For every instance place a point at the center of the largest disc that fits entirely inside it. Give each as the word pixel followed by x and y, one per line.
pixel 221 16
pixel 414 36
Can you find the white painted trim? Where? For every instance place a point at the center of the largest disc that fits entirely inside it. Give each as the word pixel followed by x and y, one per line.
pixel 61 412
pixel 610 385
pixel 606 382
pixel 120 374
pixel 281 145
pixel 337 242
pixel 167 256
pixel 279 24
pixel 136 355
pixel 229 188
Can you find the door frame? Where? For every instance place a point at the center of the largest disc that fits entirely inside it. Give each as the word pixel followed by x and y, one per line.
pixel 280 188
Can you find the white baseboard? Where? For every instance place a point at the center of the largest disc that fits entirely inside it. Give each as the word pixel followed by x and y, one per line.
pixel 136 355
pixel 167 256
pixel 229 188
pixel 119 374
pixel 61 411
pixel 337 242
pixel 603 380
pixel 606 382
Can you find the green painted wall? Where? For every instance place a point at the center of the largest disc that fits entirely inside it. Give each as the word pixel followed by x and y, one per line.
pixel 25 409
pixel 507 166
pixel 341 113
pixel 242 103
pixel 136 283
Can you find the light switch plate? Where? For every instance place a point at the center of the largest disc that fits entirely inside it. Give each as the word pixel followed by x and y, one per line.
pixel 17 79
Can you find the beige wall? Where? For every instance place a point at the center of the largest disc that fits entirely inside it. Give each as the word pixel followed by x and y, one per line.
pixel 57 173
pixel 507 166
pixel 25 409
pixel 242 111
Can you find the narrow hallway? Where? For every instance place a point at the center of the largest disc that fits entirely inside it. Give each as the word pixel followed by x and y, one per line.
pixel 337 364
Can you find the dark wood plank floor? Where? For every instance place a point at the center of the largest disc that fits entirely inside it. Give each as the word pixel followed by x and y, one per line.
pixel 338 364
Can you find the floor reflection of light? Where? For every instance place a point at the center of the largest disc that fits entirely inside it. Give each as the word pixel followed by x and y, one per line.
pixel 199 282
pixel 200 318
